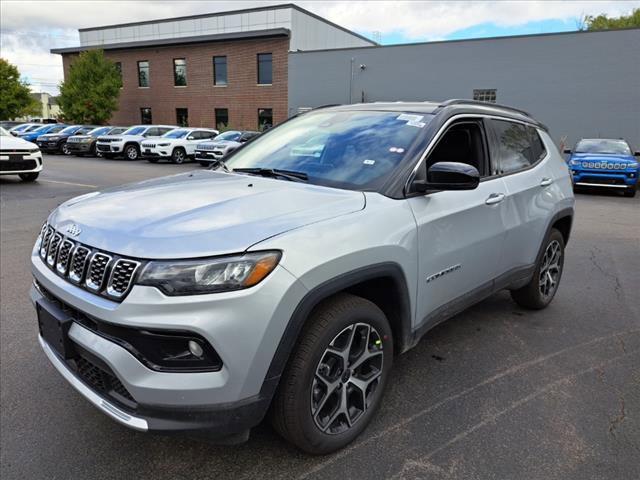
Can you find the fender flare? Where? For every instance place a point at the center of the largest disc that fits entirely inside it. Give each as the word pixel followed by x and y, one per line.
pixel 564 213
pixel 325 290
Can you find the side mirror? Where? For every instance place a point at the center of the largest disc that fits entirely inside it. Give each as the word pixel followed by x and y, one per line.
pixel 636 154
pixel 191 137
pixel 449 176
pixel 567 150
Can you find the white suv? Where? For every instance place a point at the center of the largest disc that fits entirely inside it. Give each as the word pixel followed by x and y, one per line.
pixel 128 142
pixel 179 145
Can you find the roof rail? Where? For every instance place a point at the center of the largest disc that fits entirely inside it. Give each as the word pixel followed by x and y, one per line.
pixel 462 101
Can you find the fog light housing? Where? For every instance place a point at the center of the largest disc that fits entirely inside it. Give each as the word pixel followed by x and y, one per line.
pixel 195 348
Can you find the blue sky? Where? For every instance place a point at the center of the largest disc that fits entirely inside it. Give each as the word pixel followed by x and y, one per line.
pixel 483 30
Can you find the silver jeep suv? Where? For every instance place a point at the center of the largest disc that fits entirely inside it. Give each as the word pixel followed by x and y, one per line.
pixel 284 281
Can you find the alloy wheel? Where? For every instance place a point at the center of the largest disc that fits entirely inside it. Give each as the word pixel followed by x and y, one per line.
pixel 65 149
pixel 550 269
pixel 346 378
pixel 178 156
pixel 132 153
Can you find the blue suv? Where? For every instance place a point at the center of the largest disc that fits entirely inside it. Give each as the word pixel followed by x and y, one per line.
pixel 604 162
pixel 32 135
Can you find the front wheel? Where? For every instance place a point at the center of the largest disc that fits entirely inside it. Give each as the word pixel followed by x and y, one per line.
pixel 630 192
pixel 65 149
pixel 29 177
pixel 335 378
pixel 131 152
pixel 178 156
pixel 539 292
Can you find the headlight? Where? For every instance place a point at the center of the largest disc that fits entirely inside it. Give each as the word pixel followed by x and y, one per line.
pixel 52 138
pixel 632 165
pixel 574 162
pixel 34 150
pixel 85 140
pixel 164 144
pixel 221 274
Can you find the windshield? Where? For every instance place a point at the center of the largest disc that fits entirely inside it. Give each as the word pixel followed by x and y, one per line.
pixel 230 135
pixel 134 131
pixel 98 131
pixel 177 133
pixel 32 128
pixel 43 128
pixel 115 131
pixel 616 147
pixel 346 149
pixel 71 129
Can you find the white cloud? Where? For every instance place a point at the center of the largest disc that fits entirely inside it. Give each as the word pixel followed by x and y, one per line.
pixel 30 28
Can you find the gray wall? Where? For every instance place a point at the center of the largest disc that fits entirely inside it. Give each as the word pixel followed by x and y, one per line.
pixel 580 84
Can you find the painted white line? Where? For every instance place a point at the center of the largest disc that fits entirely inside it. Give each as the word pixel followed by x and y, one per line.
pixel 70 183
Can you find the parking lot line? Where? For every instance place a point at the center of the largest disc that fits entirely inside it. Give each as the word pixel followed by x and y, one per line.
pixel 71 183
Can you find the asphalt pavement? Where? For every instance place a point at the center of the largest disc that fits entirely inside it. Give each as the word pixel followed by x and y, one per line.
pixel 496 392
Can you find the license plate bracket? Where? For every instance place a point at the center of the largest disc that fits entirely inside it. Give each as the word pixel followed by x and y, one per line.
pixel 54 327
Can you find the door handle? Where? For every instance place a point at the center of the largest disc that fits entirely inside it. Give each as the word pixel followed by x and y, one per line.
pixel 494 198
pixel 545 182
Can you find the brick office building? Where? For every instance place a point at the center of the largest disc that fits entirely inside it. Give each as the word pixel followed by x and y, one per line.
pixel 228 68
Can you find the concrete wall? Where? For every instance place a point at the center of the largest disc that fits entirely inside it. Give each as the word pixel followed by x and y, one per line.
pixel 581 84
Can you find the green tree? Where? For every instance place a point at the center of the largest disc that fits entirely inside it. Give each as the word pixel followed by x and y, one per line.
pixel 90 93
pixel 603 22
pixel 15 96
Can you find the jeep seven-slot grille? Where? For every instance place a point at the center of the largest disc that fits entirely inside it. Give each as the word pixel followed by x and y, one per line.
pixel 95 270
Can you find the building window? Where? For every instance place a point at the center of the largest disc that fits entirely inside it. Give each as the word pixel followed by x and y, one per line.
pixel 219 70
pixel 485 95
pixel 182 117
pixel 143 73
pixel 222 118
pixel 265 119
pixel 265 76
pixel 179 72
pixel 145 116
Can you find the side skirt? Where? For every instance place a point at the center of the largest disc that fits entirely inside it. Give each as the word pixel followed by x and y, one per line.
pixel 512 279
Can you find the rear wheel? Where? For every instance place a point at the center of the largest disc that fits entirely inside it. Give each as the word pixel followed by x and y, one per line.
pixel 131 152
pixel 29 177
pixel 335 378
pixel 539 292
pixel 179 155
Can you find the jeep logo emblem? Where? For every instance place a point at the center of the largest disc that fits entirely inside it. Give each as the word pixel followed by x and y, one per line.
pixel 73 230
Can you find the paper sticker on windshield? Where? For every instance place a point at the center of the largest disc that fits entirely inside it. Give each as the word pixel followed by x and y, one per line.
pixel 412 120
pixel 369 162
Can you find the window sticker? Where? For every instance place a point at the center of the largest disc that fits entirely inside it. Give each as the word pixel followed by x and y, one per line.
pixel 369 162
pixel 396 149
pixel 412 120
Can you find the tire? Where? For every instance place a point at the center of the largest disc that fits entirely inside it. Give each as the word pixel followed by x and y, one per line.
pixel 630 192
pixel 131 152
pixel 302 387
pixel 64 148
pixel 29 177
pixel 537 295
pixel 178 155
pixel 152 160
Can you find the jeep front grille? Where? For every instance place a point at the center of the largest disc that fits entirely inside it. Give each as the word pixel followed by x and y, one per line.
pixel 99 272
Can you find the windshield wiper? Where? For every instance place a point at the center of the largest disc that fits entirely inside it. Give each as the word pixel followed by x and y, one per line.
pixel 275 173
pixel 216 164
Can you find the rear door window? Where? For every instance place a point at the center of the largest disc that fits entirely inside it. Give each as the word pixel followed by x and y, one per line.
pixel 537 146
pixel 514 146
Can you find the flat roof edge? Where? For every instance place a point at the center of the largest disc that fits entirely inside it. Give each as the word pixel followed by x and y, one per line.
pixel 220 37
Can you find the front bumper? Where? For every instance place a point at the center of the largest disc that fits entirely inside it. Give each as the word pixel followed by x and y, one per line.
pixel 244 328
pixel 50 146
pixel 618 179
pixel 156 152
pixel 79 147
pixel 109 147
pixel 12 165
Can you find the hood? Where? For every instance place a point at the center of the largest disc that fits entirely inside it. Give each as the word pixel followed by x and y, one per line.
pixel 136 138
pixel 199 214
pixel 603 157
pixel 212 145
pixel 15 143
pixel 49 135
